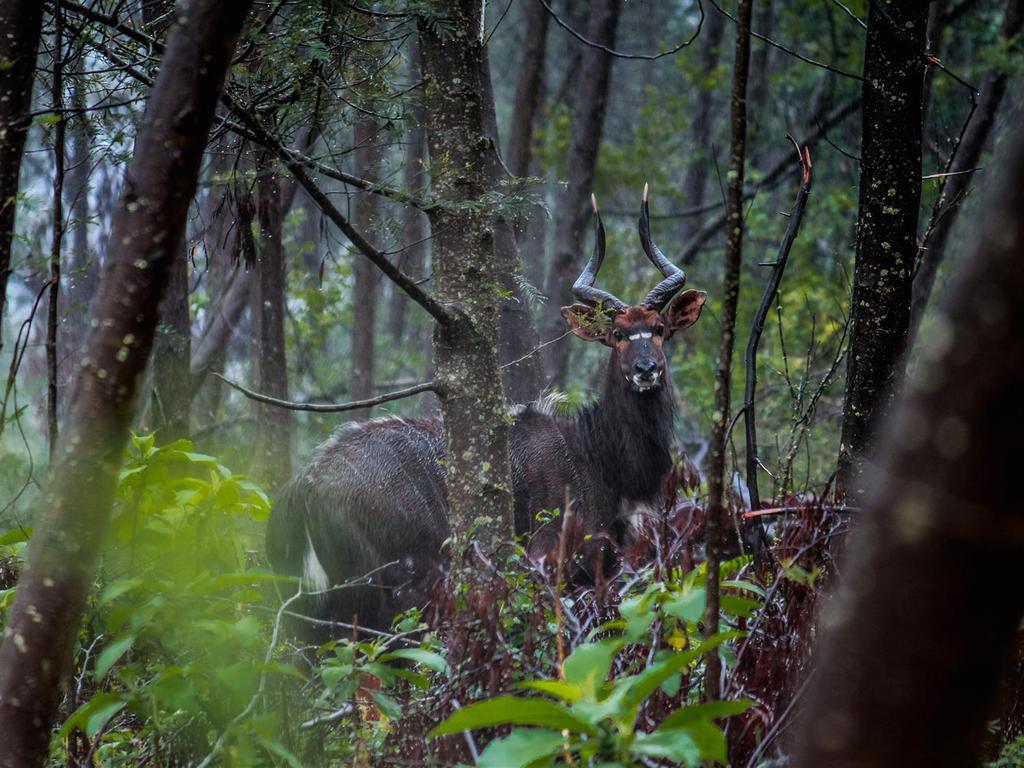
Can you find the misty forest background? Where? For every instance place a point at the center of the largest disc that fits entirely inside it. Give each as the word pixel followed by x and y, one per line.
pixel 181 658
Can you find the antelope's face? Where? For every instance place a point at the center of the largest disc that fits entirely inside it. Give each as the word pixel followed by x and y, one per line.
pixel 636 334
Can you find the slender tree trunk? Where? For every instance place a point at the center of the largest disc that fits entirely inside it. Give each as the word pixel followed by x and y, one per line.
pixel 70 524
pixel 524 377
pixel 529 89
pixel 172 354
pixel 701 129
pixel 572 209
pixel 466 346
pixel 890 195
pixel 230 304
pixel 955 187
pixel 414 222
pixel 273 425
pixel 917 639
pixel 366 282
pixel 21 22
pixel 53 299
pixel 715 526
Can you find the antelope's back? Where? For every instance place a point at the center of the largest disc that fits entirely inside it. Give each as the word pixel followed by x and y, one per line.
pixel 371 502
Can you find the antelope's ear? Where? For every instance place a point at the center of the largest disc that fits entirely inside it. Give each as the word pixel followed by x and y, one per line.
pixel 684 310
pixel 586 322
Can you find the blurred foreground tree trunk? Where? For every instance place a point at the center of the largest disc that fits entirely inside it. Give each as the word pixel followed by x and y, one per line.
pixel 464 278
pixel 915 643
pixel 20 25
pixel 572 211
pixel 70 524
pixel 890 195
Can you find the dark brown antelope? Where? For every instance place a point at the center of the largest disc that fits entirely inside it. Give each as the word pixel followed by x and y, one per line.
pixel 373 500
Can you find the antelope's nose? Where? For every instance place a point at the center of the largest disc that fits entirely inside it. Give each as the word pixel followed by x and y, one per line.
pixel 645 368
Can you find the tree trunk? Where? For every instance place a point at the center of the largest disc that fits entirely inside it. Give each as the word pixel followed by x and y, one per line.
pixel 172 355
pixel 529 88
pixel 366 277
pixel 890 195
pixel 524 377
pixel 917 639
pixel 273 425
pixel 148 225
pixel 412 258
pixel 715 526
pixel 697 170
pixel 956 186
pixel 466 346
pixel 572 209
pixel 21 22
pixel 53 297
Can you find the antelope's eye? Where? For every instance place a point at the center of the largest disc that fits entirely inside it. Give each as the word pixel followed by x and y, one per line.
pixel 617 335
pixel 659 330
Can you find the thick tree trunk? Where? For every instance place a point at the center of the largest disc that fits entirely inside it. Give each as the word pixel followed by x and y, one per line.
pixel 917 639
pixel 466 346
pixel 699 155
pixel 715 526
pixel 366 277
pixel 524 377
pixel 148 225
pixel 172 355
pixel 956 186
pixel 21 21
pixel 890 195
pixel 273 425
pixel 573 207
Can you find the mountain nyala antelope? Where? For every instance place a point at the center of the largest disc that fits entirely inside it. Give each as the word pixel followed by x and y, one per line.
pixel 373 500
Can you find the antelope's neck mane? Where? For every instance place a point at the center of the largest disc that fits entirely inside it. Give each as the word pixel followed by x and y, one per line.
pixel 627 436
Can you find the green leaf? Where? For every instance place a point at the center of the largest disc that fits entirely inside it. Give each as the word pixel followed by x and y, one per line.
pixel 388 706
pixel 556 688
pixel 747 585
pixel 16 536
pixel 650 680
pixel 94 714
pixel 111 654
pixel 668 745
pixel 511 710
pixel 280 750
pixel 689 606
pixel 587 667
pixel 429 659
pixel 521 748
pixel 712 710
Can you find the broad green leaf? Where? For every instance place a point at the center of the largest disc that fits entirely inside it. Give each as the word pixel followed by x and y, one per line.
pixel 749 586
pixel 587 667
pixel 511 710
pixel 94 714
pixel 688 606
pixel 521 748
pixel 388 706
pixel 678 746
pixel 111 654
pixel 711 710
pixel 280 750
pixel 556 688
pixel 16 536
pixel 429 659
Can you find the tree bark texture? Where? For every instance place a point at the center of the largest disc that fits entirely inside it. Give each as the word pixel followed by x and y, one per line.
pixel 466 346
pixel 524 376
pixel 890 195
pixel 956 186
pixel 529 89
pixel 53 299
pixel 273 425
pixel 715 526
pixel 917 638
pixel 366 277
pixel 572 210
pixel 148 225
pixel 21 22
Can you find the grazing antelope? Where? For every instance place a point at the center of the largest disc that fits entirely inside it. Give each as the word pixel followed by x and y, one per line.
pixel 373 497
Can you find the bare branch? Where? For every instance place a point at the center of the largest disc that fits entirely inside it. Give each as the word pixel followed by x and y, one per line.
pixel 429 386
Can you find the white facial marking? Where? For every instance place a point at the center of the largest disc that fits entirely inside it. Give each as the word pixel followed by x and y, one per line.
pixel 314 576
pixel 641 335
